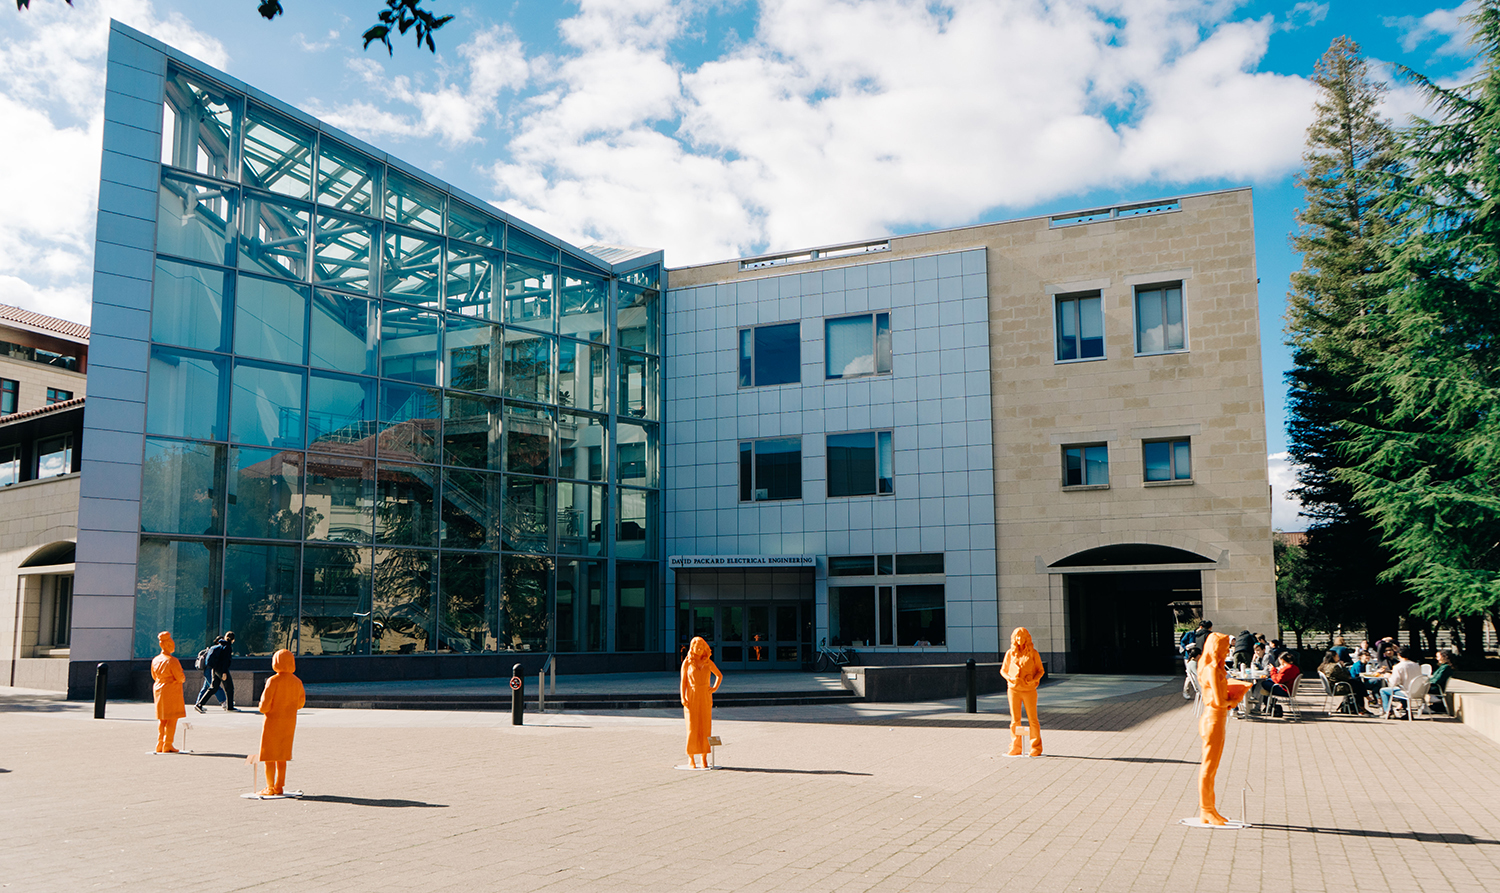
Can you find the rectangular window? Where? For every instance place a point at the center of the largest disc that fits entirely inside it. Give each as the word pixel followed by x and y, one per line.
pixel 1080 327
pixel 860 464
pixel 10 392
pixel 905 616
pixel 54 456
pixel 10 465
pixel 1168 460
pixel 57 395
pixel 858 345
pixel 770 469
pixel 1086 465
pixel 771 355
pixel 1158 319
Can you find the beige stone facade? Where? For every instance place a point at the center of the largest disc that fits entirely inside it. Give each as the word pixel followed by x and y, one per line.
pixel 1207 394
pixel 38 526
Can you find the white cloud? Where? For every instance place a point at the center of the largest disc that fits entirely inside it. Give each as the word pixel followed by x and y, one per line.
pixel 1285 508
pixel 1445 24
pixel 1305 14
pixel 52 103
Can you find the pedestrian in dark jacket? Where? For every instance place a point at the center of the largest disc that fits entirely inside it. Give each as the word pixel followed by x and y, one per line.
pixel 1244 648
pixel 216 666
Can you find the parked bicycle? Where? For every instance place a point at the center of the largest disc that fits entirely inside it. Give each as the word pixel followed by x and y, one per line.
pixel 830 658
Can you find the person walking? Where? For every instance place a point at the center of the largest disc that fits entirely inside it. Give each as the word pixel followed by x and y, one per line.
pixel 217 679
pixel 1244 648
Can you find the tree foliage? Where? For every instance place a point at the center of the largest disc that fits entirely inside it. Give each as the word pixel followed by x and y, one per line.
pixel 401 15
pixel 1350 164
pixel 1429 470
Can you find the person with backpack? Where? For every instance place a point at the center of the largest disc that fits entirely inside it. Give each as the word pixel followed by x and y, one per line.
pixel 216 679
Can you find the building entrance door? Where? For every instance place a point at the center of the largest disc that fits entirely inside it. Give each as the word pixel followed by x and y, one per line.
pixel 754 635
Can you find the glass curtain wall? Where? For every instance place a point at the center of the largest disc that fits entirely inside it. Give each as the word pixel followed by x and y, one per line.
pixel 381 420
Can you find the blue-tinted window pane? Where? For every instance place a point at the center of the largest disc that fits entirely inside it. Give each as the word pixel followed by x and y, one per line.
pixel 529 293
pixel 1182 460
pixel 1073 467
pixel 260 597
pixel 921 615
pixel 528 366
pixel 1158 319
pixel 409 343
pixel 580 516
pixel 186 395
pixel 1067 329
pixel 580 439
pixel 634 445
pixel 522 242
pixel 467 621
pixel 885 469
pixel 525 602
pixel 411 203
pixel 645 277
pixel 581 305
pixel 1091 327
pixel 778 469
pixel 405 507
pixel 403 601
pixel 526 523
pixel 1096 465
pixel 473 225
pixel 633 606
pixel 473 348
pixel 580 375
pixel 1158 461
pixel 528 439
pixel 187 306
pixel 635 385
pixel 341 495
pixel 274 238
pixel 636 318
pixel 182 487
pixel 177 591
pixel 343 333
pixel 198 126
pixel 410 422
pixel 335 600
pixel 412 268
pixel 882 343
pixel 265 494
pixel 341 414
pixel 471 431
pixel 278 154
pixel 267 406
pixel 469 288
pixel 196 221
pixel 270 319
pixel 347 180
pixel 342 253
pixel 851 464
pixel 850 346
pixel 778 354
pixel 747 358
pixel 636 529
pixel 471 509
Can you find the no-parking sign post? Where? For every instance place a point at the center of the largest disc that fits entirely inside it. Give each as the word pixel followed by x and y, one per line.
pixel 517 694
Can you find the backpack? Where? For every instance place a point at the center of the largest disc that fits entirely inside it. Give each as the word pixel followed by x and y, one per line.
pixel 202 656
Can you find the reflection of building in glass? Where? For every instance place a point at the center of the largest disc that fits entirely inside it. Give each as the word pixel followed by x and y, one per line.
pixel 372 415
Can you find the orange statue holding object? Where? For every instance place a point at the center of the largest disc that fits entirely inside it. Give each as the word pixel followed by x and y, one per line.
pixel 1219 695
pixel 166 691
pixel 1022 669
pixel 282 698
pixel 701 677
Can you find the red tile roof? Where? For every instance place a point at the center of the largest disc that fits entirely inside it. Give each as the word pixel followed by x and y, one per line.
pixel 41 410
pixel 43 322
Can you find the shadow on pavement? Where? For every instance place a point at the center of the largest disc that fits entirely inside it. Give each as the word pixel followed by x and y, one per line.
pixel 1068 756
pixel 1418 836
pixel 791 771
pixel 364 801
pixel 1096 716
pixel 235 756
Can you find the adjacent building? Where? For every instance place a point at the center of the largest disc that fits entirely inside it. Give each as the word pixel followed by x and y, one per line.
pixel 345 408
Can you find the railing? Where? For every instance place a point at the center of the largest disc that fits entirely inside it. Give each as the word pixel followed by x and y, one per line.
pixel 852 249
pixel 541 686
pixel 1097 215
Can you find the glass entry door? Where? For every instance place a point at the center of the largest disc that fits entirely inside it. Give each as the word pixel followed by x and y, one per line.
pixel 752 636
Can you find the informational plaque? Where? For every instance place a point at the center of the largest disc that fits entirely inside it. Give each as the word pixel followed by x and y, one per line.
pixel 716 562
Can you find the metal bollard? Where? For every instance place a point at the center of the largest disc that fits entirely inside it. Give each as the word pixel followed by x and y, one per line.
pixel 101 689
pixel 517 694
pixel 971 687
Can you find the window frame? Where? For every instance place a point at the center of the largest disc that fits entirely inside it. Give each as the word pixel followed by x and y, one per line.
pixel 742 373
pixel 875 348
pixel 1135 302
pixel 58 395
pixel 1083 449
pixel 1076 298
pixel 10 392
pixel 740 467
pixel 1174 478
pixel 885 450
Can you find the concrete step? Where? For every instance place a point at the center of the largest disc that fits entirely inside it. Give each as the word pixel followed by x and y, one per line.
pixel 581 701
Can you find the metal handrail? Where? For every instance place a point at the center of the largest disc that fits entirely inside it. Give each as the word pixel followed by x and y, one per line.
pixel 541 682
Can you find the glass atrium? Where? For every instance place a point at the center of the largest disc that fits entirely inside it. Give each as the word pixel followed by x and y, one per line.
pixel 381 420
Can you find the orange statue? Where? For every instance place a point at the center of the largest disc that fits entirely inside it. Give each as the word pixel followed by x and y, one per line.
pixel 166 691
pixel 1022 669
pixel 1219 695
pixel 283 697
pixel 698 698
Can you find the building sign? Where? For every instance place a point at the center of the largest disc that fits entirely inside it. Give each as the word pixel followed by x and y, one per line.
pixel 687 562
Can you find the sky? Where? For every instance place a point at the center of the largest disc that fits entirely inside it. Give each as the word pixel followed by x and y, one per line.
pixel 719 128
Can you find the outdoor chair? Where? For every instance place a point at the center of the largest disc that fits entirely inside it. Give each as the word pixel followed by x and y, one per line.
pixel 1415 697
pixel 1344 693
pixel 1286 698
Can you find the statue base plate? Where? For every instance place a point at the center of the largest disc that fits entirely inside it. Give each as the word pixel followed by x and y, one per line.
pixel 691 768
pixel 1021 756
pixel 1231 825
pixel 289 795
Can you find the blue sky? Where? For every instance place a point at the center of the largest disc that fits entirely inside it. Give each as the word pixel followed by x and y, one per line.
pixel 715 128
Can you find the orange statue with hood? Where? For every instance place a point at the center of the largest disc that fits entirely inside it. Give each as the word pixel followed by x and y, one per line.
pixel 1023 672
pixel 701 677
pixel 282 698
pixel 166 691
pixel 1219 695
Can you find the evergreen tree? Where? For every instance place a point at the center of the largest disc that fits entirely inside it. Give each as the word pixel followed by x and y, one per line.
pixel 1349 166
pixel 1429 472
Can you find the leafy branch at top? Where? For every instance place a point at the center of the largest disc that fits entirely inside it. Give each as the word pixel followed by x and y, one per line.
pixel 405 15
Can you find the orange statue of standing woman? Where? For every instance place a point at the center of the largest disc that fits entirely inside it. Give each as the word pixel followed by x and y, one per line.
pixel 700 679
pixel 166 691
pixel 1022 669
pixel 1219 695
pixel 282 698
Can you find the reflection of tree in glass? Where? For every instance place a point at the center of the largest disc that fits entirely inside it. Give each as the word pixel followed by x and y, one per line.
pixel 524 609
pixel 179 491
pixel 334 581
pixel 260 597
pixel 265 485
pixel 466 624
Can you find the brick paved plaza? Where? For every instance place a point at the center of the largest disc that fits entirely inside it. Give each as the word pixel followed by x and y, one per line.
pixel 846 797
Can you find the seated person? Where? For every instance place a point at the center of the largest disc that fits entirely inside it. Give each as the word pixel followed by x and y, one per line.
pixel 1401 677
pixel 1441 676
pixel 1258 660
pixel 1336 667
pixel 1284 674
pixel 1341 649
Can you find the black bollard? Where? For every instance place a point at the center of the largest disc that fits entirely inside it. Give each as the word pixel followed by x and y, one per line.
pixel 517 694
pixel 971 687
pixel 101 689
